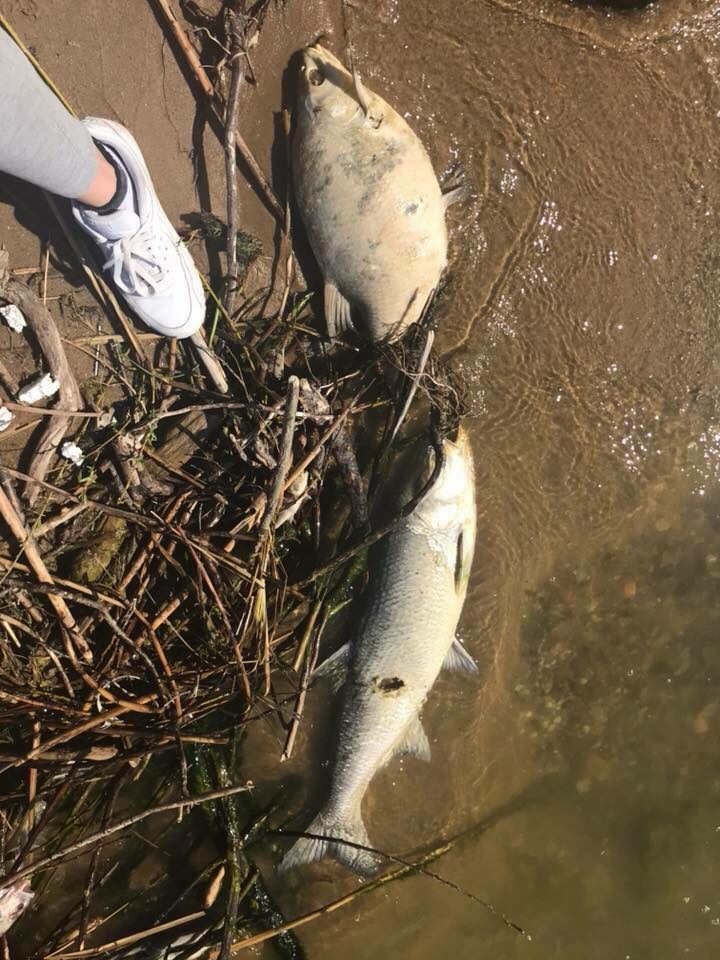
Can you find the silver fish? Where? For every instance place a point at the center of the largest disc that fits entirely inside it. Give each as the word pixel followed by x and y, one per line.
pixel 14 901
pixel 370 201
pixel 407 636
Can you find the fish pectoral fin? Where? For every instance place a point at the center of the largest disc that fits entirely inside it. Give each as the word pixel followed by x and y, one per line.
pixel 338 313
pixel 414 742
pixel 463 560
pixel 458 659
pixel 455 194
pixel 335 667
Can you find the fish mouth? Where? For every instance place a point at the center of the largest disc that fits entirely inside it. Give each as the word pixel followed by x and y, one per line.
pixel 458 457
pixel 461 443
pixel 318 64
pixel 317 55
pixel 307 60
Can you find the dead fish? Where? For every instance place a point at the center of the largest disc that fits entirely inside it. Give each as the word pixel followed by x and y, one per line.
pixel 370 201
pixel 407 636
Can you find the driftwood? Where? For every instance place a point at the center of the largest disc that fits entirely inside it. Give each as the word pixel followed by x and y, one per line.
pixel 212 366
pixel 43 327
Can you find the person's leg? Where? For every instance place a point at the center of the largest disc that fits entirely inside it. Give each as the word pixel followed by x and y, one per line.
pixel 98 165
pixel 40 141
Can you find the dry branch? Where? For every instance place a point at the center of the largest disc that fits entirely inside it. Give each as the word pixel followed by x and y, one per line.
pixel 284 464
pixel 35 561
pixel 236 30
pixel 48 338
pixel 219 110
pixel 118 827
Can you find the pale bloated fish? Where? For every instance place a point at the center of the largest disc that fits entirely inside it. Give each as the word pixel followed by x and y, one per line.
pixel 369 199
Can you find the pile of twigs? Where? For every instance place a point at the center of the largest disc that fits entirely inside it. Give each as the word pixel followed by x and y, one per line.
pixel 151 596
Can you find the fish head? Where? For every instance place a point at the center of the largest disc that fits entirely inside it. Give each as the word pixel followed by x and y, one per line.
pixel 450 503
pixel 456 480
pixel 325 83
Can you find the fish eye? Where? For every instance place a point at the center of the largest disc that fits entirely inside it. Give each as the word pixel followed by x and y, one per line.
pixel 316 78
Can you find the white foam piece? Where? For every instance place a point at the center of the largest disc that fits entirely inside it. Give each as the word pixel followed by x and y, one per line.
pixel 13 317
pixel 72 452
pixel 6 418
pixel 41 388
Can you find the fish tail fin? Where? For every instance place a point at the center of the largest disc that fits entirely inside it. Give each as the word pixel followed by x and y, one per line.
pixel 339 837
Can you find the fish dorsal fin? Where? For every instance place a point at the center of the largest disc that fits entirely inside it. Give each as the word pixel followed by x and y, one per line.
pixel 335 667
pixel 414 742
pixel 458 659
pixel 338 314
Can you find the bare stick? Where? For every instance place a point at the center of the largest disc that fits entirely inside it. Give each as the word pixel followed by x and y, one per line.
pixel 235 19
pixel 97 721
pixel 132 938
pixel 210 362
pixel 218 109
pixel 414 383
pixel 284 463
pixel 187 48
pixel 48 338
pixel 35 561
pixel 309 667
pixel 326 908
pixel 112 338
pixel 63 517
pixel 9 380
pixel 118 827
pixel 92 870
pixel 55 411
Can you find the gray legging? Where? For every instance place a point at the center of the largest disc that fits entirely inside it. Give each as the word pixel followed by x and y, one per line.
pixel 39 140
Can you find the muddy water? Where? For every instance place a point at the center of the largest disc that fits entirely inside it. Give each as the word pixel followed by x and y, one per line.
pixel 585 276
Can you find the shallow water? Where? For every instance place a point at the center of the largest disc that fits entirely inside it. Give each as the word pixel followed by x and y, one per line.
pixel 585 267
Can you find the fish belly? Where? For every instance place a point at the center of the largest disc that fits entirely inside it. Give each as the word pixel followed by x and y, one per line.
pixel 375 220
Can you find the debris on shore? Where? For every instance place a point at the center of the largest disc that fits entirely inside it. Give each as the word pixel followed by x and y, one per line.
pixel 177 535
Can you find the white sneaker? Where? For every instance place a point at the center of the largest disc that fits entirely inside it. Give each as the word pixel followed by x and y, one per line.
pixel 144 258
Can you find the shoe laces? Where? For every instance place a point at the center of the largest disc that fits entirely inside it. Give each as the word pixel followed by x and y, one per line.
pixel 139 263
